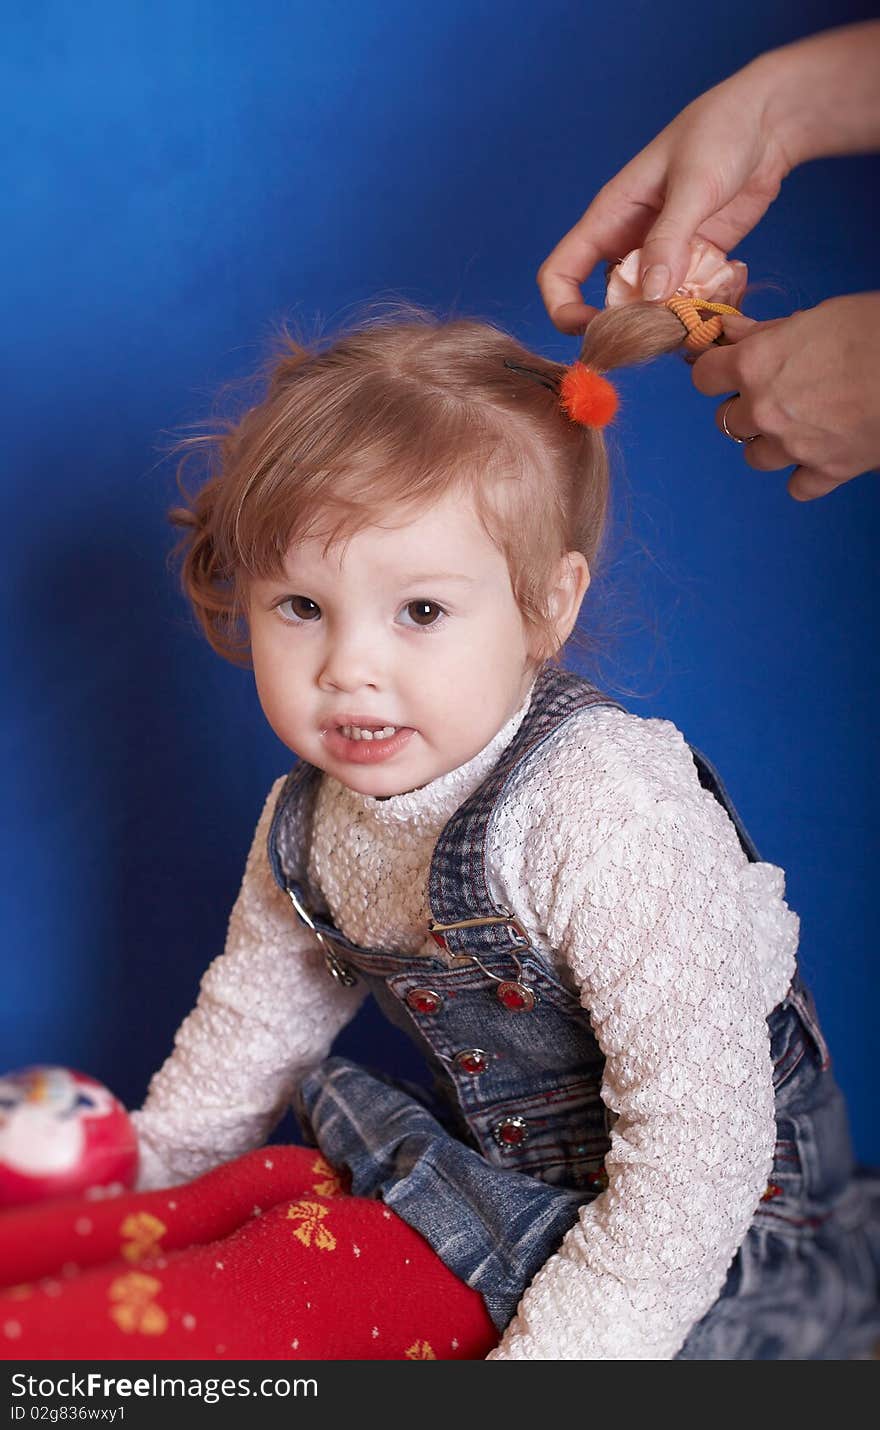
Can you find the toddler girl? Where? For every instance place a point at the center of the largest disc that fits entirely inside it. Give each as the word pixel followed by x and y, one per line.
pixel 635 1148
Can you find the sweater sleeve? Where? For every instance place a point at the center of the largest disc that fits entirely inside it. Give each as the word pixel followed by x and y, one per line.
pixel 267 1012
pixel 658 918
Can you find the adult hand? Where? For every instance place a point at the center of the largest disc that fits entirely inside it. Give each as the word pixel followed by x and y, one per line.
pixel 713 172
pixel 807 385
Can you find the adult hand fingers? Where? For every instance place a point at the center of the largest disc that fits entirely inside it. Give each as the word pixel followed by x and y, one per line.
pixel 614 224
pixel 766 454
pixel 720 369
pixel 805 484
pixel 666 250
pixel 736 415
pixel 572 315
pixel 716 371
pixel 808 384
pixel 737 326
pixel 561 275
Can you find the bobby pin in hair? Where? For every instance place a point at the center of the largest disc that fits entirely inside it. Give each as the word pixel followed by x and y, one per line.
pixel 543 378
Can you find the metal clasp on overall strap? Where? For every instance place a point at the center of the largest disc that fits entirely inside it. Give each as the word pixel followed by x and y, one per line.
pixel 437 930
pixel 335 968
pixel 513 993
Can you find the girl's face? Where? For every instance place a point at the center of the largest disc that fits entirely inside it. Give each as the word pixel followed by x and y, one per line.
pixel 396 657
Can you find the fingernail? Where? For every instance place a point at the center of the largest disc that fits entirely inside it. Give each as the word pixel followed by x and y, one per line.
pixel 655 281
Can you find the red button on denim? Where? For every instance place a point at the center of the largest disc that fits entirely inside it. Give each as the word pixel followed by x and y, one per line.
pixel 472 1060
pixel 424 1000
pixel 516 997
pixel 511 1132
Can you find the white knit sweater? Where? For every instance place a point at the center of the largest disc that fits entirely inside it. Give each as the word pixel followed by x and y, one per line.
pixel 613 856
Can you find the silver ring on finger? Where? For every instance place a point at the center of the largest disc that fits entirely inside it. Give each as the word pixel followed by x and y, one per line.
pixel 741 441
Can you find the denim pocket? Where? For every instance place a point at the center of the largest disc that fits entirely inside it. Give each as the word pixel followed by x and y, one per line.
pixel 788 1043
pixel 794 1032
pixel 802 1000
pixel 813 1160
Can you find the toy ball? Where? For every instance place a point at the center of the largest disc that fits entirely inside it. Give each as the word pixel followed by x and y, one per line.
pixel 62 1134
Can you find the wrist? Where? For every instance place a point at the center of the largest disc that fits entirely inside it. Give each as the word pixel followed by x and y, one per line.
pixel 787 117
pixel 820 94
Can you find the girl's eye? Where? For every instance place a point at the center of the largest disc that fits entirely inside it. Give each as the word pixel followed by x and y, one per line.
pixel 422 613
pixel 299 608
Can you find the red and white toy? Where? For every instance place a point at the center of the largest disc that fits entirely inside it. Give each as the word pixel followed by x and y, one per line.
pixel 61 1134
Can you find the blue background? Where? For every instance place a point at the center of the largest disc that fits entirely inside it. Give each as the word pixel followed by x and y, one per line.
pixel 180 176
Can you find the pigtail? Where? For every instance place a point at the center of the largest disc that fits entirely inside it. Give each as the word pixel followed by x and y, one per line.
pixel 207 577
pixel 631 334
pixel 617 337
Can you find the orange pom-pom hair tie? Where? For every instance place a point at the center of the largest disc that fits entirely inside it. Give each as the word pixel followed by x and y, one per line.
pixel 585 396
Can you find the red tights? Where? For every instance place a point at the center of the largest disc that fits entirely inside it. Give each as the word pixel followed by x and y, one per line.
pixel 266 1258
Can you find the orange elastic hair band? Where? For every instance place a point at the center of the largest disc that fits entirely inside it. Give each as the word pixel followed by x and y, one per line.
pixel 702 332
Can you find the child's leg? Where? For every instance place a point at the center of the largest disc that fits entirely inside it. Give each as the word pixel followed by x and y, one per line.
pixel 78 1232
pixel 805 1284
pixel 317 1275
pixel 496 1227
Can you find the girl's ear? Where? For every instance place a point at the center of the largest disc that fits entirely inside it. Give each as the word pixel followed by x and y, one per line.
pixel 567 593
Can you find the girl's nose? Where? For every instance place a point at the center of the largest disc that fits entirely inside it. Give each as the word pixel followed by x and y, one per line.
pixel 351 663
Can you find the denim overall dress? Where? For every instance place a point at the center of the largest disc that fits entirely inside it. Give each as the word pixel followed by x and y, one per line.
pixel 493 1164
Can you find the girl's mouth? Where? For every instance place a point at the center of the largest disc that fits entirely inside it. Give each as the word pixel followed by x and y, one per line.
pixel 366 744
pixel 369 732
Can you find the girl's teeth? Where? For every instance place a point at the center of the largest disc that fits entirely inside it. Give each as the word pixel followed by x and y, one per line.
pixel 354 732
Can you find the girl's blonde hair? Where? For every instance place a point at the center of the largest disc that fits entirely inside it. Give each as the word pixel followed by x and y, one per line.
pixel 383 421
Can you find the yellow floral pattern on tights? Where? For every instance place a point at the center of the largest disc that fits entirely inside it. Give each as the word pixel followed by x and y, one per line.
pixel 311 1229
pixel 331 1182
pixel 420 1350
pixel 135 1308
pixel 141 1236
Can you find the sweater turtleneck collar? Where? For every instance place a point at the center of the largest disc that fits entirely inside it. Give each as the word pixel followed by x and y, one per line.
pixel 431 805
